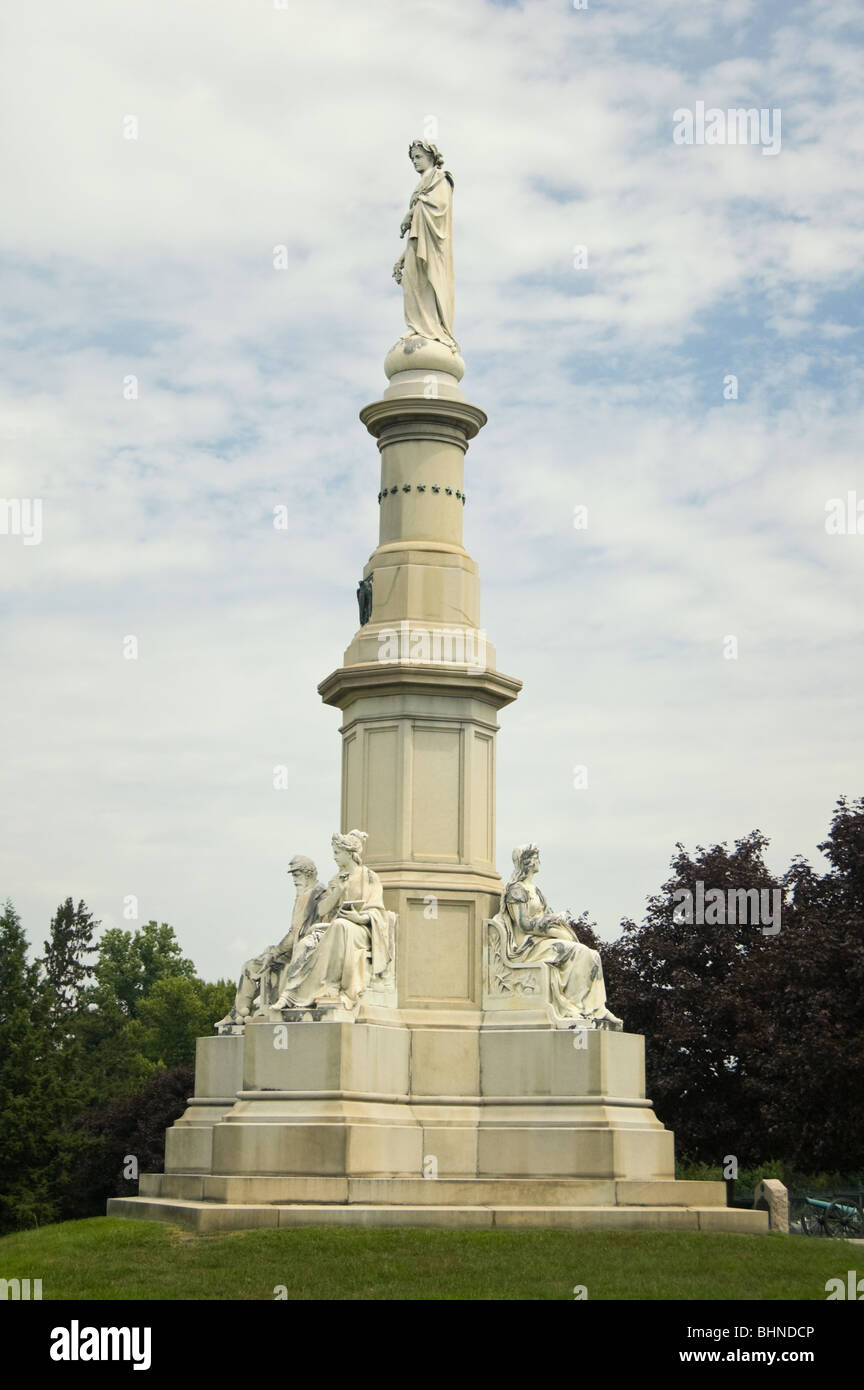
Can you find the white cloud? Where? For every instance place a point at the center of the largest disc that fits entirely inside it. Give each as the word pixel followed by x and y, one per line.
pixel 153 257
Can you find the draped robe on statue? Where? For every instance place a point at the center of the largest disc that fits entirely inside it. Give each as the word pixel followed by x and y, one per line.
pixel 536 936
pixel 427 274
pixel 338 957
pixel 262 975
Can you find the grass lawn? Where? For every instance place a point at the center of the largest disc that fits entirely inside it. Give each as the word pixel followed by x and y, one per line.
pixel 108 1258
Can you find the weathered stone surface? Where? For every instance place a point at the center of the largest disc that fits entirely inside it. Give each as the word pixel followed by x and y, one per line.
pixel 386 1123
pixel 208 1217
pixel 770 1195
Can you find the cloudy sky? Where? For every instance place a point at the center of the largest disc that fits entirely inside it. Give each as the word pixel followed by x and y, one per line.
pixel 259 126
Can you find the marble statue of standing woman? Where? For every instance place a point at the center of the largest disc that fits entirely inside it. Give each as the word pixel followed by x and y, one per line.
pixel 425 270
pixel 535 936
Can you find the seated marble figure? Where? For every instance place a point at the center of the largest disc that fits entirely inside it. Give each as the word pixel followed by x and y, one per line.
pixel 533 935
pixel 261 976
pixel 350 945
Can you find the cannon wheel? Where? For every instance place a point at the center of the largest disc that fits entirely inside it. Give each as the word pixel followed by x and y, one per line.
pixel 841 1222
pixel 811 1222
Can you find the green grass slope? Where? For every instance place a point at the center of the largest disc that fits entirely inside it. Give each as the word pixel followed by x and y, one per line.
pixel 107 1258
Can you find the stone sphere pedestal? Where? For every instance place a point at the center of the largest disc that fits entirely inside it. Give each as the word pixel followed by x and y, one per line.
pixel 425 368
pixel 414 354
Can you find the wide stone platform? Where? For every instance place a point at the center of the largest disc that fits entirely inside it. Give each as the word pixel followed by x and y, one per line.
pixel 459 1122
pixel 203 1204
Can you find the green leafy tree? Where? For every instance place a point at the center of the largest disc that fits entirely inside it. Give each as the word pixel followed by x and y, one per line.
pixel 679 983
pixel 74 1049
pixel 803 1010
pixel 130 963
pixel 132 1127
pixel 145 1008
pixel 178 1010
pixel 118 1055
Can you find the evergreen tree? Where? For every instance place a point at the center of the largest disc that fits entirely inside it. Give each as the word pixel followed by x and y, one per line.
pixel 27 1172
pixel 64 967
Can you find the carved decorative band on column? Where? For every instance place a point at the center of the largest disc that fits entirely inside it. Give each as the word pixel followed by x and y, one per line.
pixel 421 487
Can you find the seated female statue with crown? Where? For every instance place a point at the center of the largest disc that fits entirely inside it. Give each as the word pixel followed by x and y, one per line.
pixel 350 945
pixel 533 935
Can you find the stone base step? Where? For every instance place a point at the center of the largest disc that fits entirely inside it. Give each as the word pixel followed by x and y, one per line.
pixel 208 1217
pixel 444 1191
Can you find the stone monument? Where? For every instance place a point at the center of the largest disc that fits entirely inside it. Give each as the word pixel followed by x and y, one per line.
pixel 427 1045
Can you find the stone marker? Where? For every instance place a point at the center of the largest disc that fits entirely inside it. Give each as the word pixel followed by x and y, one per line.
pixel 770 1195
